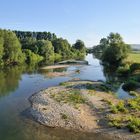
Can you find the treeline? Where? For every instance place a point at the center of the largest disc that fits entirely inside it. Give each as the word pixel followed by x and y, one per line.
pixel 18 47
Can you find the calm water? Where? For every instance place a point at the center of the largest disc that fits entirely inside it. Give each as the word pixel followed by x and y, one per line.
pixel 17 86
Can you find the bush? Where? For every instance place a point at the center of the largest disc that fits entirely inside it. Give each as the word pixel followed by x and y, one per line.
pixel 134 104
pixel 116 122
pixel 134 67
pixel 130 85
pixel 134 125
pixel 32 58
pixel 122 71
pixel 57 57
pixel 120 107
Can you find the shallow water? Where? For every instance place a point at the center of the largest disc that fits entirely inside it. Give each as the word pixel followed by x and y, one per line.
pixel 15 89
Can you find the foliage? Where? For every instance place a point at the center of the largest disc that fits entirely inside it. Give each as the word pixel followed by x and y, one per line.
pixel 134 67
pixel 116 50
pixel 72 96
pixel 10 48
pixel 130 85
pixel 32 58
pixel 126 114
pixel 101 47
pixel 134 124
pixel 1 48
pixel 36 45
pixel 36 35
pixel 57 57
pixel 46 50
pixel 62 47
pixel 123 71
pixel 47 44
pixel 79 49
pixel 120 107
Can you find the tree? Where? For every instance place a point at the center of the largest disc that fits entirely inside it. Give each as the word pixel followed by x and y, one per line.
pixel 79 49
pixel 32 58
pixel 46 50
pixel 116 50
pixel 30 43
pixel 12 49
pixel 1 47
pixel 62 47
pixel 79 45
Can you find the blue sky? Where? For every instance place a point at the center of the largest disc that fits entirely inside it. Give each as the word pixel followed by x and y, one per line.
pixel 88 20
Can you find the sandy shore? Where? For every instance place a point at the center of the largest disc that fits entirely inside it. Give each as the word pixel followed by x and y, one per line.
pixel 85 111
pixel 54 67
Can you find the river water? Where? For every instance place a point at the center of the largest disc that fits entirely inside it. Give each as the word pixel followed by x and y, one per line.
pixel 16 86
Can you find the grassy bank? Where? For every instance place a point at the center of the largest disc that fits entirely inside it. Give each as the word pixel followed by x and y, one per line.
pixel 134 57
pixel 126 114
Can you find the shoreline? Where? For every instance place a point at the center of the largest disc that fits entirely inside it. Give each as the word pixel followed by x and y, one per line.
pixel 86 116
pixel 65 64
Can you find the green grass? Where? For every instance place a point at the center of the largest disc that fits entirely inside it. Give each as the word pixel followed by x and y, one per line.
pixel 73 96
pixel 120 107
pixel 134 124
pixel 134 57
pixel 64 84
pixel 126 115
pixel 101 87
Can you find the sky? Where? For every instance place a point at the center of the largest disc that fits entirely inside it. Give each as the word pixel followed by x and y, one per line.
pixel 88 20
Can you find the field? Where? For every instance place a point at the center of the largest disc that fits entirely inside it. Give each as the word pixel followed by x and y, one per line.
pixel 134 57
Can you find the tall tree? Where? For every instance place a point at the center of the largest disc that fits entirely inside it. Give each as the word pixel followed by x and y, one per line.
pixel 1 47
pixel 79 45
pixel 79 49
pixel 46 50
pixel 12 49
pixel 62 47
pixel 116 50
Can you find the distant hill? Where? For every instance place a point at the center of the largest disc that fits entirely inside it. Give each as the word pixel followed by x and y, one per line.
pixel 135 46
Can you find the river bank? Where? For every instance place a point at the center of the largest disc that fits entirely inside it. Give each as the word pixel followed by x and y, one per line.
pixel 77 105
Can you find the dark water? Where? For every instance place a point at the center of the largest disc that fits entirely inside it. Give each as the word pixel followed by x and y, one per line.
pixel 16 86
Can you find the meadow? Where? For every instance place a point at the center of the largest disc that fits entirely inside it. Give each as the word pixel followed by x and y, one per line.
pixel 134 57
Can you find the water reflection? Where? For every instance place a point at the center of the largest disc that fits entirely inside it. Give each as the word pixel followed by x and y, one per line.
pixel 110 73
pixel 9 80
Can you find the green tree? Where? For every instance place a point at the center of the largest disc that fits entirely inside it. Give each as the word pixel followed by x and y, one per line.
pixel 62 47
pixel 12 49
pixel 79 49
pixel 46 50
pixel 30 43
pixel 116 50
pixel 79 45
pixel 32 58
pixel 1 47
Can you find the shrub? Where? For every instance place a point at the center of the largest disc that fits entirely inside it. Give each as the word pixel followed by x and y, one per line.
pixel 134 125
pixel 122 71
pixel 134 67
pixel 130 85
pixel 121 107
pixel 134 104
pixel 114 109
pixel 116 122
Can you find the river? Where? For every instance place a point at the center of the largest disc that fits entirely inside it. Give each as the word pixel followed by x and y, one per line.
pixel 17 86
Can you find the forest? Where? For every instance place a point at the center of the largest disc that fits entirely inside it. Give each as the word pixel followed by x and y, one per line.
pixel 42 48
